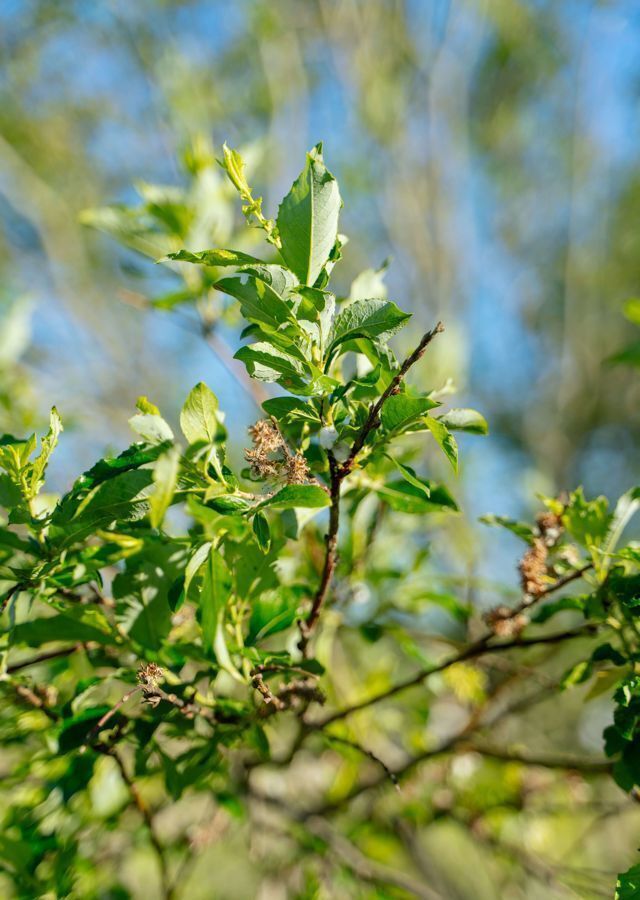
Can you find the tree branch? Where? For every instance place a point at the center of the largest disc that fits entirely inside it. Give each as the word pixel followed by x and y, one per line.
pixel 339 472
pixel 474 650
pixel 373 419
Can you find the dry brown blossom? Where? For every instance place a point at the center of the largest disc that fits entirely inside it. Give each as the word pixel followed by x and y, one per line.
pixel 271 458
pixel 504 623
pixel 149 674
pixel 296 468
pixel 533 568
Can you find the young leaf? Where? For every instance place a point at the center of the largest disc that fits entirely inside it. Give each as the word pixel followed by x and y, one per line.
pixel 48 445
pixel 199 419
pixel 308 219
pixel 400 411
pixel 465 420
pixel 262 531
pixel 214 258
pixel 520 529
pixel 165 478
pixel 369 319
pixel 308 496
pixel 409 475
pixel 151 427
pixel 445 439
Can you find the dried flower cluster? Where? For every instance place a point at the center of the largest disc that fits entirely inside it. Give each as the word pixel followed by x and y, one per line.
pixel 504 622
pixel 271 458
pixel 534 564
pixel 150 674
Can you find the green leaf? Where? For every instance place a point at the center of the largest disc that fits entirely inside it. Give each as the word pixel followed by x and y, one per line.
pixel 61 627
pixel 628 884
pixel 401 410
pixel 151 427
pixel 630 356
pixel 409 475
pixel 199 419
pixel 587 521
pixel 307 496
pixel 48 445
pixel 165 479
pixel 290 409
pixel 405 497
pixel 268 363
pixel 308 219
pixel 213 257
pixel 213 600
pixel 259 302
pixel 271 612
pixel 465 420
pixel 378 319
pixel 521 529
pixel 445 439
pixel 262 531
pixel 631 310
pixel 147 407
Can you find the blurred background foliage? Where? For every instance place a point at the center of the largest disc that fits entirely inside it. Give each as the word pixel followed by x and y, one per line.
pixel 489 151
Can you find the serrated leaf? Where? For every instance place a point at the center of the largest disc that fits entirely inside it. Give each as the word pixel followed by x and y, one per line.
pixel 214 596
pixel 445 439
pixel 48 445
pixel 400 411
pixel 306 496
pixel 290 409
pixel 151 427
pixel 405 497
pixel 465 420
pixel 219 258
pixel 199 418
pixel 374 319
pixel 259 302
pixel 262 531
pixel 165 479
pixel 521 529
pixel 410 476
pixel 308 219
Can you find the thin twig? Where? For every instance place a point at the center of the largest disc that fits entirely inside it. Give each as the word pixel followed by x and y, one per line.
pixel 168 892
pixel 339 472
pixel 373 419
pixel 474 650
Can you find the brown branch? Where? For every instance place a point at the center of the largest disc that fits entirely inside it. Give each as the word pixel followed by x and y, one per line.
pixel 330 559
pixel 545 760
pixel 373 419
pixel 44 657
pixel 107 716
pixel 479 648
pixel 338 472
pixel 333 738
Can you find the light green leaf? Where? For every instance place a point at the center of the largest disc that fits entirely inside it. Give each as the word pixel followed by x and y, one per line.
pixel 409 475
pixel 291 409
pixel 48 445
pixel 308 219
pixel 520 529
pixel 405 497
pixel 152 428
pixel 213 258
pixel 631 310
pixel 199 419
pixel 309 496
pixel 214 597
pixel 465 420
pixel 165 478
pixel 445 439
pixel 147 407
